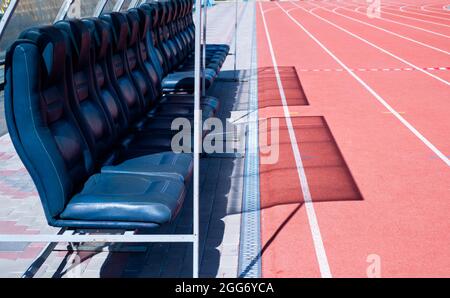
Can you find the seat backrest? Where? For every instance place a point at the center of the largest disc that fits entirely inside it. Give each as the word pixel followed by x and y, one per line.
pixel 100 55
pixel 94 121
pixel 163 35
pixel 188 21
pixel 152 66
pixel 136 66
pixel 42 127
pixel 169 39
pixel 181 27
pixel 153 47
pixel 175 33
pixel 118 67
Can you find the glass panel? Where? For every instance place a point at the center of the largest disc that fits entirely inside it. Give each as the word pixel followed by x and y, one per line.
pixel 81 9
pixel 28 13
pixel 109 6
pixel 125 5
pixel 3 129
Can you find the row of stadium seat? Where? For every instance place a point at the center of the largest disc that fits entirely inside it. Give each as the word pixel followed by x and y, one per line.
pixel 89 105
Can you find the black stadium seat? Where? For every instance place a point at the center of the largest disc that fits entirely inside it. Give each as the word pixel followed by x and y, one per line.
pixel 49 141
pixel 179 73
pixel 92 113
pixel 89 104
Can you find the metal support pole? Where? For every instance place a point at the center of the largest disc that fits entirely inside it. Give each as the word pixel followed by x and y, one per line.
pixel 235 37
pixel 63 10
pixel 99 8
pixel 133 4
pixel 204 50
pixel 7 16
pixel 197 117
pixel 118 5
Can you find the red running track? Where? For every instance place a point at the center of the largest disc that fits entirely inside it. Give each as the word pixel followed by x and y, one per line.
pixel 390 128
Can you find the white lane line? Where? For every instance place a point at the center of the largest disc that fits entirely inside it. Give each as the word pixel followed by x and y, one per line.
pixel 422 7
pixel 355 8
pixel 375 46
pixel 433 148
pixel 441 12
pixel 403 24
pixel 311 213
pixel 5 136
pixel 373 69
pixel 383 10
pixel 421 14
pixel 390 32
pixel 269 9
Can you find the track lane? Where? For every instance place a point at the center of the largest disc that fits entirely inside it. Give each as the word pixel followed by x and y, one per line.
pixel 427 15
pixel 441 42
pixel 394 219
pixel 284 221
pixel 439 45
pixel 443 29
pixel 441 13
pixel 416 55
pixel 405 91
pixel 415 15
pixel 434 8
pixel 413 7
pixel 387 17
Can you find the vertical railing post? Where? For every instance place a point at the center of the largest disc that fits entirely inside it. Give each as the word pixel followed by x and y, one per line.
pixel 197 119
pixel 204 49
pixel 235 37
pixel 118 5
pixel 99 8
pixel 133 4
pixel 7 16
pixel 63 10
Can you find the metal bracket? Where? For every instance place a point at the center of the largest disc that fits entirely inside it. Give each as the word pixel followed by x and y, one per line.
pixel 118 5
pixel 224 155
pixel 99 8
pixel 7 16
pixel 63 10
pixel 133 4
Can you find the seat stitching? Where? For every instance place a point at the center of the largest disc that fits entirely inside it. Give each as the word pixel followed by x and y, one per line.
pixel 34 126
pixel 166 185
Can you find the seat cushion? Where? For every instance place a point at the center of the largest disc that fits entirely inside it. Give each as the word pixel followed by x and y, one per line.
pixel 155 141
pixel 164 164
pixel 145 143
pixel 189 99
pixel 122 197
pixel 213 63
pixel 184 81
pixel 218 47
pixel 212 66
pixel 186 110
pixel 161 127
